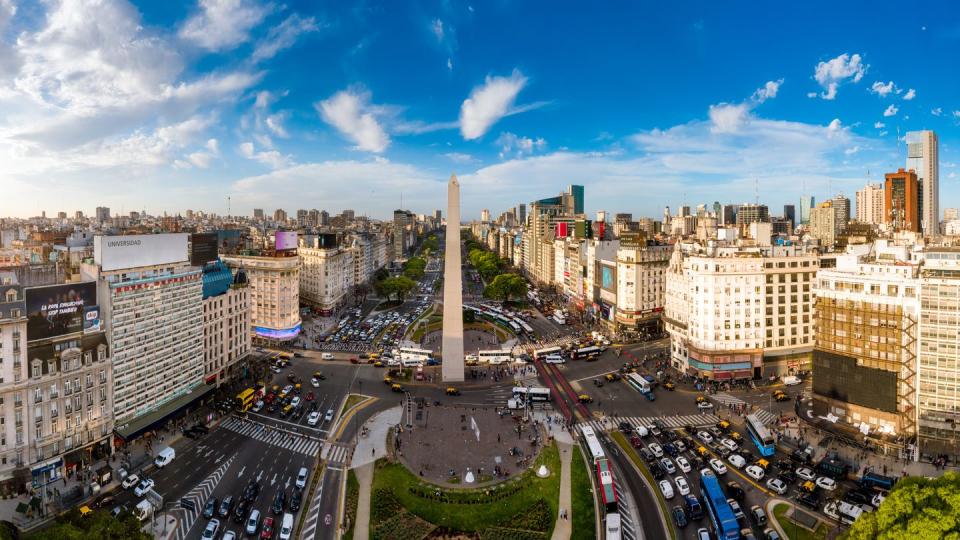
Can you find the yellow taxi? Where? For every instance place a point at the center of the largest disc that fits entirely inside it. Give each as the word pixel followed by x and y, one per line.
pixel 396 388
pixel 762 463
pixel 669 385
pixel 723 425
pixel 85 511
pixel 736 436
pixel 451 391
pixel 701 399
pixel 378 364
pixel 387 380
pixel 287 409
pixel 584 398
pixel 808 486
pixel 612 377
pixel 374 356
pixel 702 451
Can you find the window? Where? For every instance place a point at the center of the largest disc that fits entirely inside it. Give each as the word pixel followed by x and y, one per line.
pixel 36 369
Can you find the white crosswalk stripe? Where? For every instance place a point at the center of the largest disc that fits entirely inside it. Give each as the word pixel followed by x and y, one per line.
pixel 198 495
pixel 765 416
pixel 335 453
pixel 293 442
pixel 673 422
pixel 726 399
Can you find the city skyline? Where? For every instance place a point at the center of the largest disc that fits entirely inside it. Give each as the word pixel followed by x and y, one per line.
pixel 183 105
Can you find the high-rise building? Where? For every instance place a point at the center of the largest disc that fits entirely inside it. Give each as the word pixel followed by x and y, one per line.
pixel 258 214
pixel 729 214
pixel 485 215
pixel 274 293
pixel 437 215
pixel 807 203
pixel 78 215
pixel 226 322
pixel 324 218
pixel 640 281
pixel 103 214
pixel 349 215
pixel 402 220
pixel 327 272
pixel 752 213
pixel 521 213
pixel 824 224
pixel 841 205
pixel 923 159
pixel 789 213
pixel 280 215
pixel 717 209
pixel 576 193
pixel 870 204
pixel 901 201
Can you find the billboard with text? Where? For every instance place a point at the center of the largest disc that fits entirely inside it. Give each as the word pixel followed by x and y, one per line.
pixel 137 250
pixel 56 310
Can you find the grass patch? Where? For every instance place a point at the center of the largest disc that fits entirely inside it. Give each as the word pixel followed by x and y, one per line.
pixel 794 531
pixel 635 458
pixel 350 508
pixel 581 502
pixel 525 503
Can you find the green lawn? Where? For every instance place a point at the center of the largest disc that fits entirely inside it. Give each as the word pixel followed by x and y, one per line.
pixel 635 458
pixel 353 496
pixel 470 510
pixel 794 531
pixel 581 493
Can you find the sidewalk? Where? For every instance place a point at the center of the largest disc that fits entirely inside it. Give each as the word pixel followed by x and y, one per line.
pixel 374 445
pixel 361 530
pixel 563 528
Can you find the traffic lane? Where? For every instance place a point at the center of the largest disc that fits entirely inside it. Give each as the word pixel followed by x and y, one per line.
pixel 645 504
pixel 329 503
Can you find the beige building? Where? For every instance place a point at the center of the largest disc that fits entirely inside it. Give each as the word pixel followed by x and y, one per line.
pixel 326 273
pixel 274 294
pixel 823 223
pixel 226 330
pixel 641 281
pixel 870 204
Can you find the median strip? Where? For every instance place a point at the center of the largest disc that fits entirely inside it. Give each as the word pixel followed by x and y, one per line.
pixel 638 463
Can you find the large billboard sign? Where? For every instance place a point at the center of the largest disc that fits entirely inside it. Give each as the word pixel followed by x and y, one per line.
pixel 136 250
pixel 57 310
pixel 286 240
pixel 280 334
pixel 203 248
pixel 608 278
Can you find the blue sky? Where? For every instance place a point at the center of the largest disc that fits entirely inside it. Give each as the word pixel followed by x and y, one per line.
pixel 168 106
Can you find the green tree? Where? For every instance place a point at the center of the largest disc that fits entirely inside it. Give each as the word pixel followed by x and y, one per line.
pixel 414 268
pixel 381 274
pixel 506 286
pixel 919 508
pixel 403 286
pixel 95 526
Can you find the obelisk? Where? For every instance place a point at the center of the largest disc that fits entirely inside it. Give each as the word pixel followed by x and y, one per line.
pixel 452 289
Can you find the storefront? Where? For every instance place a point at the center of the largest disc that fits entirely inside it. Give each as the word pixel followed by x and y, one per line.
pixel 46 472
pixel 724 366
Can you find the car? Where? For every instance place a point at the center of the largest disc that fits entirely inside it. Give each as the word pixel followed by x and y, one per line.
pixel 828 484
pixel 266 531
pixel 210 532
pixel 705 437
pixel 718 466
pixel 210 508
pixel 145 486
pixel 655 449
pixel 295 501
pixel 258 406
pixel 682 485
pixel 654 429
pixel 777 485
pixel 295 402
pixel 856 496
pixel 229 535
pixel 667 465
pixel 736 436
pixel 703 405
pixel 667 489
pixel 771 534
pixel 314 418
pixel 329 416
pixel 736 460
pixel 670 448
pixel 703 533
pixel 878 499
pixel 735 507
pixel 240 512
pixel 735 490
pixel 679 517
pixel 805 473
pixel 728 443
pixel 758 515
pixel 310 396
pixel 755 472
pixel 130 481
pixel 253 522
pixel 683 464
pixel 636 441
pixel 301 478
pixel 646 455
pixel 104 501
pixel 680 445
pixel 251 491
pixel 225 507
pixel 326 356
pixel 810 500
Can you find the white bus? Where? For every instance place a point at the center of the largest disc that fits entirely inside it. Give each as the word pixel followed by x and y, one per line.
pixel 587 353
pixel 540 353
pixel 639 383
pixel 494 357
pixel 593 443
pixel 407 353
pixel 531 394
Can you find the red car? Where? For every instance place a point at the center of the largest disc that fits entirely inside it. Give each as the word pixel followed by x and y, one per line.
pixel 636 442
pixel 310 396
pixel 354 360
pixel 268 399
pixel 266 533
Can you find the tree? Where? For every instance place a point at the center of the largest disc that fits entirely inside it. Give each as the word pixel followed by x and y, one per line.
pixel 403 285
pixel 506 286
pixel 918 508
pixel 381 274
pixel 414 268
pixel 95 526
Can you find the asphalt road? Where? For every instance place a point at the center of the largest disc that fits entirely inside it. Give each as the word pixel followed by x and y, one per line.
pixel 644 502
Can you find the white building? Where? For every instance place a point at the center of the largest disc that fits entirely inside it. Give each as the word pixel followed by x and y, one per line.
pixel 274 294
pixel 923 156
pixel 326 273
pixel 226 322
pixel 15 435
pixel 870 204
pixel 641 282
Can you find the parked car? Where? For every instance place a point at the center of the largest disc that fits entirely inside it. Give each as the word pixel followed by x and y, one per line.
pixel 758 515
pixel 210 508
pixel 828 484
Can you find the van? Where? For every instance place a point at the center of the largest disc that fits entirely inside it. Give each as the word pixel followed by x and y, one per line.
pixel 286 527
pixel 144 510
pixel 326 356
pixel 554 359
pixel 791 380
pixel 164 457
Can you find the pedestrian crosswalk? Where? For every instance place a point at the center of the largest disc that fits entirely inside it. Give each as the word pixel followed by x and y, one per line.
pixel 765 416
pixel 336 454
pixel 726 399
pixel 288 441
pixel 676 421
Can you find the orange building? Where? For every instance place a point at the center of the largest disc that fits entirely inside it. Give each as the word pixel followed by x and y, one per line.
pixel 901 198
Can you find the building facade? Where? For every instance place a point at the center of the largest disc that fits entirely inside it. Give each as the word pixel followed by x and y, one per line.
pixel 870 204
pixel 274 294
pixel 326 273
pixel 641 276
pixel 226 323
pixel 923 157
pixel 901 201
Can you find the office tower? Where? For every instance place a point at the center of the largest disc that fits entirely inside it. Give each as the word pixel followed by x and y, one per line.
pixel 823 223
pixel 521 212
pixel 717 209
pixel 402 224
pixel 789 213
pixel 485 215
pixel 576 194
pixel 437 215
pixel 280 216
pixel 684 211
pixel 728 214
pixel 452 367
pixel 302 218
pixel 923 159
pixel 103 213
pixel 258 214
pixel 807 203
pixel 841 205
pixel 78 215
pixel 324 218
pixel 901 201
pixel 752 213
pixel 349 215
pixel 870 204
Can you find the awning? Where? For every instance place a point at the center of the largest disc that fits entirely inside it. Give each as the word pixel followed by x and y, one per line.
pixel 142 424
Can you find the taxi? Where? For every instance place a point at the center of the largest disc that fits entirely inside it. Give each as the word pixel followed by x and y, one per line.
pixel 396 388
pixel 669 386
pixel 584 398
pixel 808 486
pixel 451 391
pixel 735 435
pixel 612 377
pixel 702 451
pixel 762 463
pixel 723 425
pixel 387 380
pixel 85 511
pixel 378 364
pixel 701 399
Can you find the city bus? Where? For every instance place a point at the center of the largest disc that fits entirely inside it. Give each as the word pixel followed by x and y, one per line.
pixel 760 436
pixel 245 400
pixel 587 353
pixel 526 327
pixel 718 509
pixel 639 383
pixel 533 395
pixel 612 526
pixel 494 357
pixel 593 443
pixel 515 327
pixel 608 495
pixel 540 353
pixel 410 357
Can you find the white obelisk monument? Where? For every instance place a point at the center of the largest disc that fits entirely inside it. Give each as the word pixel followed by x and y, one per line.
pixel 452 289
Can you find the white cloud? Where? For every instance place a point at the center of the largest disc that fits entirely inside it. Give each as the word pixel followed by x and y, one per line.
pixel 834 127
pixel 283 36
pixel 832 73
pixel 489 103
pixel 223 24
pixel 911 93
pixel 891 110
pixel 937 111
pixel 879 125
pixel 436 26
pixel 728 118
pixel 275 124
pixel 812 94
pixel 769 91
pixel 270 158
pixel 460 157
pixel 513 145
pixel 852 150
pixel 450 64
pixel 883 90
pixel 883 133
pixel 351 113
pixel 956 114
pixel 9 58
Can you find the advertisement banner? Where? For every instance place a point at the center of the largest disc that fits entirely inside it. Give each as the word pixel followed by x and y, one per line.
pixel 203 248
pixel 91 319
pixel 286 240
pixel 57 310
pixel 281 334
pixel 137 250
pixel 608 278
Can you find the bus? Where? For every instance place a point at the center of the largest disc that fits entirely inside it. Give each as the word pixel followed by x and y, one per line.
pixel 593 443
pixel 515 327
pixel 718 509
pixel 533 395
pixel 587 353
pixel 410 357
pixel 245 400
pixel 612 526
pixel 540 353
pixel 526 327
pixel 608 495
pixel 639 383
pixel 760 436
pixel 493 357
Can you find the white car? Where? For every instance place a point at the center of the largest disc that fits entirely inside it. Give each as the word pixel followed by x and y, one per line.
pixel 777 485
pixel 682 485
pixel 211 531
pixel 805 473
pixel 667 489
pixel 704 405
pixel 144 487
pixel 313 418
pixel 729 445
pixel 667 465
pixel 326 356
pixel 737 460
pixel 314 383
pixel 705 437
pixel 755 472
pixel 130 481
pixel 828 484
pixel 656 450
pixel 683 464
pixel 718 466
pixel 258 406
pixel 878 499
pixel 329 416
pixel 295 401
pixel 229 535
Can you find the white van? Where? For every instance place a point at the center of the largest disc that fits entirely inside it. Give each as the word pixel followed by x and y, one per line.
pixel 554 359
pixel 790 380
pixel 286 527
pixel 164 457
pixel 412 362
pixel 326 356
pixel 144 510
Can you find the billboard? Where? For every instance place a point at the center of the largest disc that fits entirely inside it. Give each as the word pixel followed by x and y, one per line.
pixel 91 319
pixel 57 310
pixel 136 250
pixel 273 333
pixel 840 377
pixel 608 278
pixel 286 240
pixel 203 248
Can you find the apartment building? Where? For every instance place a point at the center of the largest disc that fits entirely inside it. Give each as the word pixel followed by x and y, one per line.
pixel 274 293
pixel 226 322
pixel 15 437
pixel 326 272
pixel 870 204
pixel 641 276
